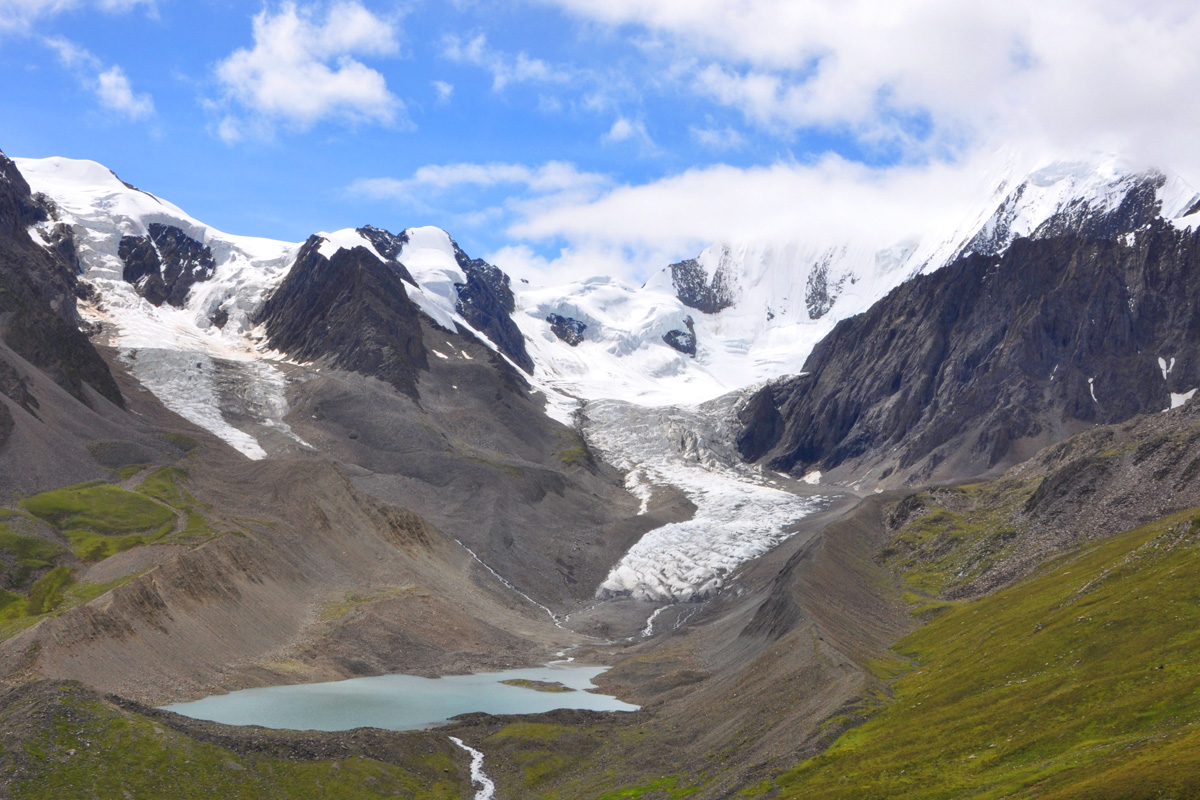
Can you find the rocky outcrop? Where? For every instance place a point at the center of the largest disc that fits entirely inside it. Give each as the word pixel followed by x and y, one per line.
pixel 388 245
pixel 165 265
pixel 968 361
pixel 567 329
pixel 38 289
pixel 487 303
pixel 683 341
pixel 695 290
pixel 350 310
pixel 820 293
pixel 1092 216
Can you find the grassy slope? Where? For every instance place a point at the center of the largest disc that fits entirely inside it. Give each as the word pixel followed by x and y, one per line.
pixel 1081 681
pixel 63 741
pixel 99 520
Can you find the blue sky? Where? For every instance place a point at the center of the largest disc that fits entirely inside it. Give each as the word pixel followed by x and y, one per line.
pixel 574 136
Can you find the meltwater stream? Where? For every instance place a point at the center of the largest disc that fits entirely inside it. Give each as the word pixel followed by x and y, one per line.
pixel 402 702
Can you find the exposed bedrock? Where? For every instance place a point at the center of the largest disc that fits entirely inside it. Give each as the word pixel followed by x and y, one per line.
pixel 982 359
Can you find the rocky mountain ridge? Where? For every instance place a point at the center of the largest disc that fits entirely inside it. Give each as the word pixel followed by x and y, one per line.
pixel 982 362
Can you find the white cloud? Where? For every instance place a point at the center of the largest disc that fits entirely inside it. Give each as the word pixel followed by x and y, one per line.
pixel 116 94
pixel 1097 73
pixel 302 69
pixel 833 197
pixel 580 261
pixel 110 84
pixel 554 177
pixel 505 69
pixel 600 227
pixel 624 129
pixel 444 91
pixel 20 15
pixel 715 138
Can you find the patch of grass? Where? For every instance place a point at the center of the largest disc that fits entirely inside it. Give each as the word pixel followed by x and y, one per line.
pixel 9 600
pixel 197 529
pixel 47 594
pixel 1080 681
pixel 164 484
pixel 964 532
pixel 98 507
pixel 182 441
pixel 87 748
pixel 91 546
pixel 80 593
pixel 668 787
pixel 573 457
pixel 537 686
pixel 351 600
pixel 28 552
pixel 127 472
pixel 101 519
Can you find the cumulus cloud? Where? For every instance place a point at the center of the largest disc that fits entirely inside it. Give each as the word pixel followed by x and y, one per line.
pixel 939 75
pixel 110 84
pixel 115 93
pixel 505 69
pixel 303 69
pixel 20 15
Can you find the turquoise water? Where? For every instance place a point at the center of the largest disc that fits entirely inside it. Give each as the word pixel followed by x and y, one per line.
pixel 401 702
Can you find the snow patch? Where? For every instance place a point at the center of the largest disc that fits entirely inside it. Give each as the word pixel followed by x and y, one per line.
pixel 1165 367
pixel 1179 399
pixel 813 478
pixel 345 239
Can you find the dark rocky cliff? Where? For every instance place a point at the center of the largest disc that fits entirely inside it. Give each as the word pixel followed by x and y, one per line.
pixel 38 288
pixel 165 265
pixel 486 302
pixel 350 310
pixel 695 290
pixel 968 362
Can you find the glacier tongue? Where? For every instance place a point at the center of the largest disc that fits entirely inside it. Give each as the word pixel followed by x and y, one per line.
pixel 739 514
pixel 208 391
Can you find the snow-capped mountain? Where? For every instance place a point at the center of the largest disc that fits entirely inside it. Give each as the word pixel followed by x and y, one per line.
pixel 754 311
pixel 187 308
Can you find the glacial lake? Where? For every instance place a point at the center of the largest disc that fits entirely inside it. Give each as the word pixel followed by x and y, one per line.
pixel 402 702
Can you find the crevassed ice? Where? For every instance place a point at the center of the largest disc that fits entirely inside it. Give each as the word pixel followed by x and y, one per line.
pixel 737 517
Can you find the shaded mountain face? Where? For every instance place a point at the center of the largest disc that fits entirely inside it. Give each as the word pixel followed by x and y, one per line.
pixel 968 362
pixel 166 264
pixel 350 310
pixel 487 303
pixel 38 286
pixel 695 290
